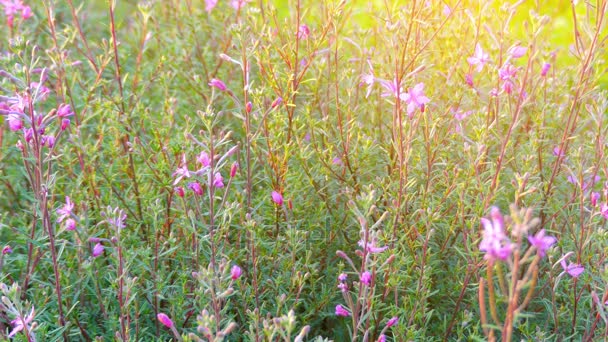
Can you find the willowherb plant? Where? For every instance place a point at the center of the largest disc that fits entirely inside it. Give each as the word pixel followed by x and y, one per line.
pixel 521 261
pixel 21 318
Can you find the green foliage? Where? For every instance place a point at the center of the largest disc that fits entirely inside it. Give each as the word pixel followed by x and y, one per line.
pixel 346 162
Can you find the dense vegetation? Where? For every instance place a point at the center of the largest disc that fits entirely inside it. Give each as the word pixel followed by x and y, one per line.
pixel 241 170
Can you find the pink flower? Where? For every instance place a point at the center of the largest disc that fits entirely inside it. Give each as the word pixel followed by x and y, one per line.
pixel 545 69
pixel 541 242
pixel 65 211
pixel 7 250
pixel 595 196
pixel 20 323
pixel 277 198
pixel 196 188
pixel 238 4
pixel 341 311
pixel 391 88
pixel 604 210
pixel 204 159
pixel 179 191
pixel 495 243
pixel 342 277
pixel 366 278
pixel 165 320
pixel 235 272
pixel 210 5
pixel 479 59
pixel 13 7
pixel 218 180
pixel 64 111
pixel 48 140
pixel 574 270
pixel 382 338
pixel 218 84
pixel 248 107
pixel 70 224
pixel 371 246
pixel 392 322
pixel 415 99
pixel 303 32
pixel 14 122
pixel 517 51
pixel 507 72
pixel 97 250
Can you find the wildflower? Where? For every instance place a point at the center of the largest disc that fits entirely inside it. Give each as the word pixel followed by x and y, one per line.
pixel 182 171
pixel 65 211
pixel 233 169
pixel 116 218
pixel 97 250
pixel 392 322
pixel 7 250
pixel 196 188
pixel 179 191
pixel 210 5
pixel 391 88
pixel 479 59
pixel 277 198
pixel 337 161
pixel 42 91
pixel 20 323
pixel 303 32
pixel 446 10
pixel 507 72
pixel 238 4
pixel 595 196
pixel 14 122
pixel 165 320
pixel 545 69
pixel 218 84
pixel 574 270
pixel 366 278
pixel 369 80
pixel 415 99
pixel 461 115
pixel 235 272
pixel 13 7
pixel 495 243
pixel 382 338
pixel 558 152
pixel 28 135
pixel 49 141
pixel 517 51
pixel 70 224
pixel 468 79
pixel 248 107
pixel 342 277
pixel 65 123
pixel 64 111
pixel 604 210
pixel 371 246
pixel 541 242
pixel 277 102
pixel 204 159
pixel 218 180
pixel 341 311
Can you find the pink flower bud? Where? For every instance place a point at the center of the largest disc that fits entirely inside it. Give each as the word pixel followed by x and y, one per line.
pixel 235 272
pixel 233 169
pixel 97 250
pixel 248 107
pixel 7 250
pixel 179 191
pixel 196 188
pixel 468 79
pixel 277 198
pixel 165 320
pixel 218 180
pixel 545 69
pixel 366 278
pixel 341 311
pixel 392 322
pixel 65 123
pixel 50 141
pixel 20 145
pixel 595 196
pixel 276 102
pixel 218 84
pixel 518 51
